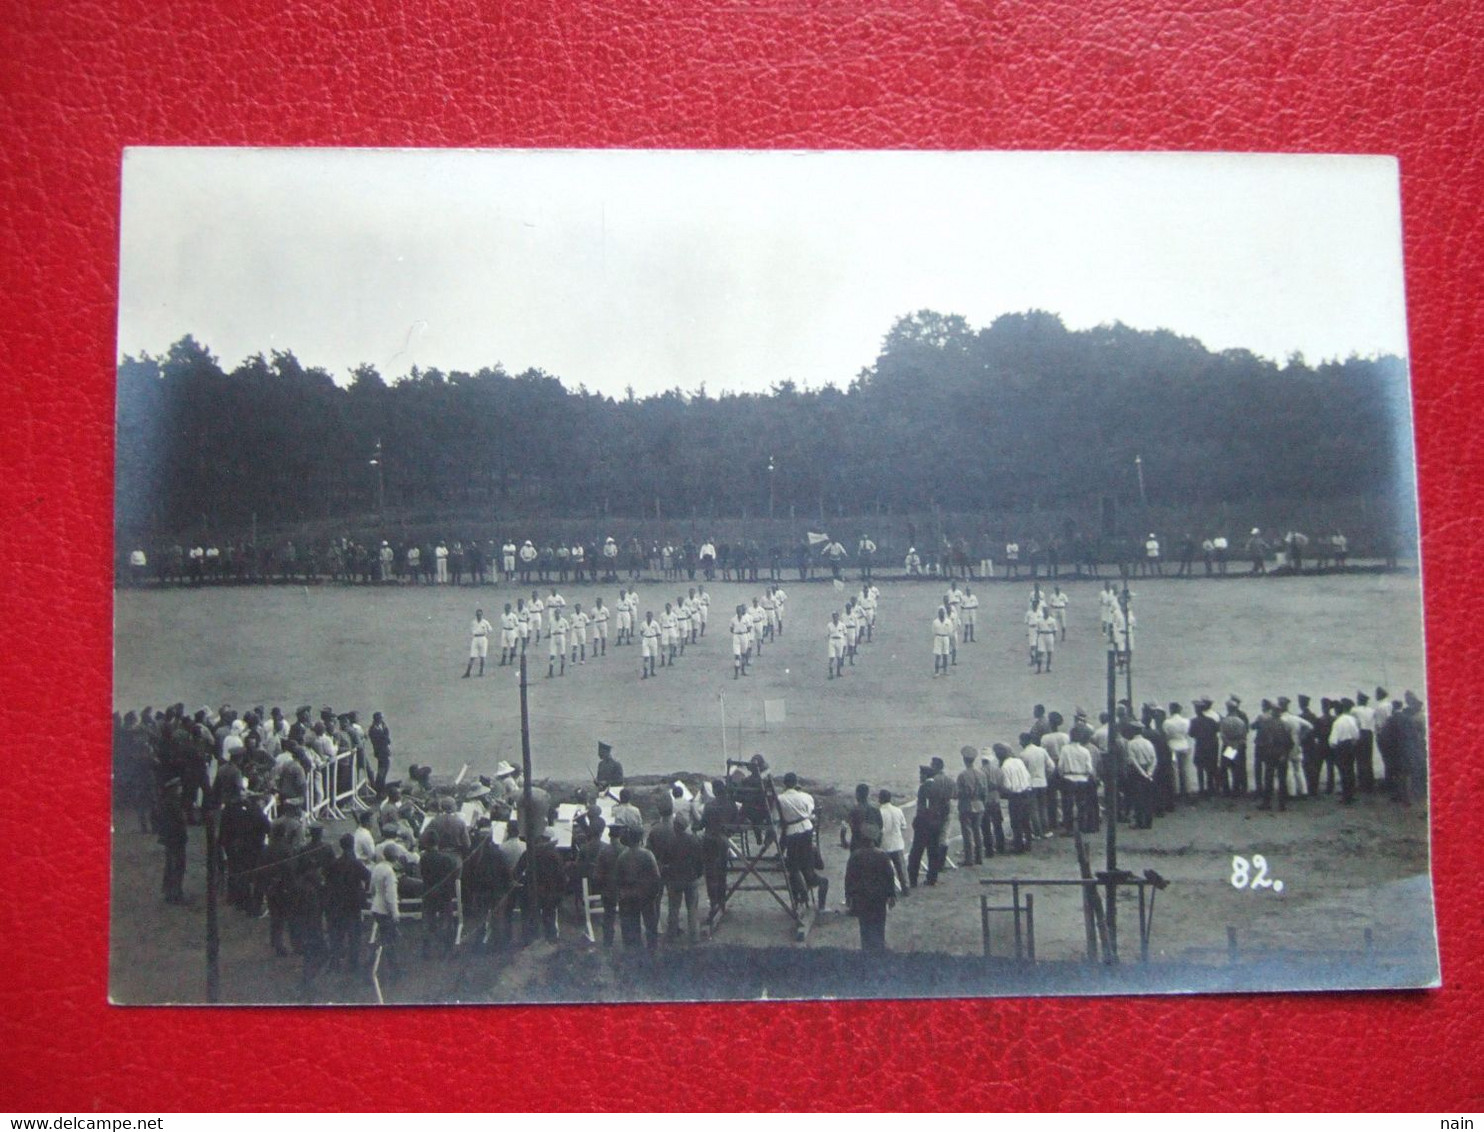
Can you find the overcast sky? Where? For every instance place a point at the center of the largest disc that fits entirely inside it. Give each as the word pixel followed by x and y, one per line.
pixel 737 270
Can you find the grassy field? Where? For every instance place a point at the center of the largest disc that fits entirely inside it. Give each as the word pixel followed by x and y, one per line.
pixel 1346 870
pixel 402 651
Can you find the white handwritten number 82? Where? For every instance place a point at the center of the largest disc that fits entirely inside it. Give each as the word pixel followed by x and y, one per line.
pixel 1250 875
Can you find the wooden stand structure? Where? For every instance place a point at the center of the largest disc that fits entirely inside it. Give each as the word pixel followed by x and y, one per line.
pixel 756 862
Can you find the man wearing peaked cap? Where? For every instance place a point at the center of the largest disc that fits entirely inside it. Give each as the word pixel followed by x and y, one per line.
pixel 610 770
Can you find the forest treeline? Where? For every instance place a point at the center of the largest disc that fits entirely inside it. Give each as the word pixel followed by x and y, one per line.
pixel 1022 414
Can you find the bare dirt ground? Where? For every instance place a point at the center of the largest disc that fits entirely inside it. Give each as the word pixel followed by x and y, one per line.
pixel 1344 870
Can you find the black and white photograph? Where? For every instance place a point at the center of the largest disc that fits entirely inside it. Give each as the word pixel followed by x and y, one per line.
pixel 639 576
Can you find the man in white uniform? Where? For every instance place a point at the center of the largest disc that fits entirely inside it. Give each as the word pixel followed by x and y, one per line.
pixel 1058 603
pixel 739 631
pixel 578 633
pixel 440 555
pixel 522 623
pixel 534 608
pixel 703 606
pixel 670 635
pixel 507 560
pixel 835 636
pixel 649 644
pixel 942 639
pixel 509 629
pixel 527 554
pixel 479 642
pixel 1046 638
pixel 968 610
pixel 557 635
pixel 1033 634
pixel 600 627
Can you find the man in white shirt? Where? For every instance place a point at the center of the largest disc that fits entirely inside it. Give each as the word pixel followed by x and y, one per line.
pixel 703 611
pixel 942 640
pixel 796 817
pixel 1039 765
pixel 1046 637
pixel 385 909
pixel 1058 603
pixel 669 636
pixel 650 633
pixel 600 627
pixel 440 556
pixel 1152 562
pixel 1177 734
pixel 507 560
pixel 534 609
pixel 558 626
pixel 739 632
pixel 522 625
pixel 894 837
pixel 1344 739
pixel 835 633
pixel 479 642
pixel 577 630
pixel 1015 785
pixel 968 612
pixel 1142 760
pixel 527 555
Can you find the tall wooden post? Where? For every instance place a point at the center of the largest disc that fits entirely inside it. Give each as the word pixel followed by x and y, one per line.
pixel 527 805
pixel 213 932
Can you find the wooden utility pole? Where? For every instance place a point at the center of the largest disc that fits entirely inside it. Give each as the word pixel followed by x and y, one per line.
pixel 213 932
pixel 527 804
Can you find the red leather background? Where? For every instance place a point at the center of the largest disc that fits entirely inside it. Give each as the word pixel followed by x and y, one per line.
pixel 82 80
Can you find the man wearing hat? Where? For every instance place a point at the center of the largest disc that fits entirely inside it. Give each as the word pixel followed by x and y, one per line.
pixel 1205 738
pixel 636 875
pixel 610 770
pixel 1344 741
pixel 445 829
pixel 1271 745
pixel 1233 730
pixel 929 823
pixel 870 889
pixel 973 790
pixel 1299 731
pixel 796 815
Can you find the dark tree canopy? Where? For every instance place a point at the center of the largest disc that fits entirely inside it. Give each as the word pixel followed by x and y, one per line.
pixel 1020 414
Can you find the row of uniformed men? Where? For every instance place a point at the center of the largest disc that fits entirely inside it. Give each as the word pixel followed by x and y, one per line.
pixel 843 634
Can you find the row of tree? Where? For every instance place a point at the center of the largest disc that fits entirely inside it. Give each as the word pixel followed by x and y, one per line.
pixel 1018 415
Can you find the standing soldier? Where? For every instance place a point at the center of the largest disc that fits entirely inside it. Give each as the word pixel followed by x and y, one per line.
pixel 479 642
pixel 509 627
pixel 649 644
pixel 625 608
